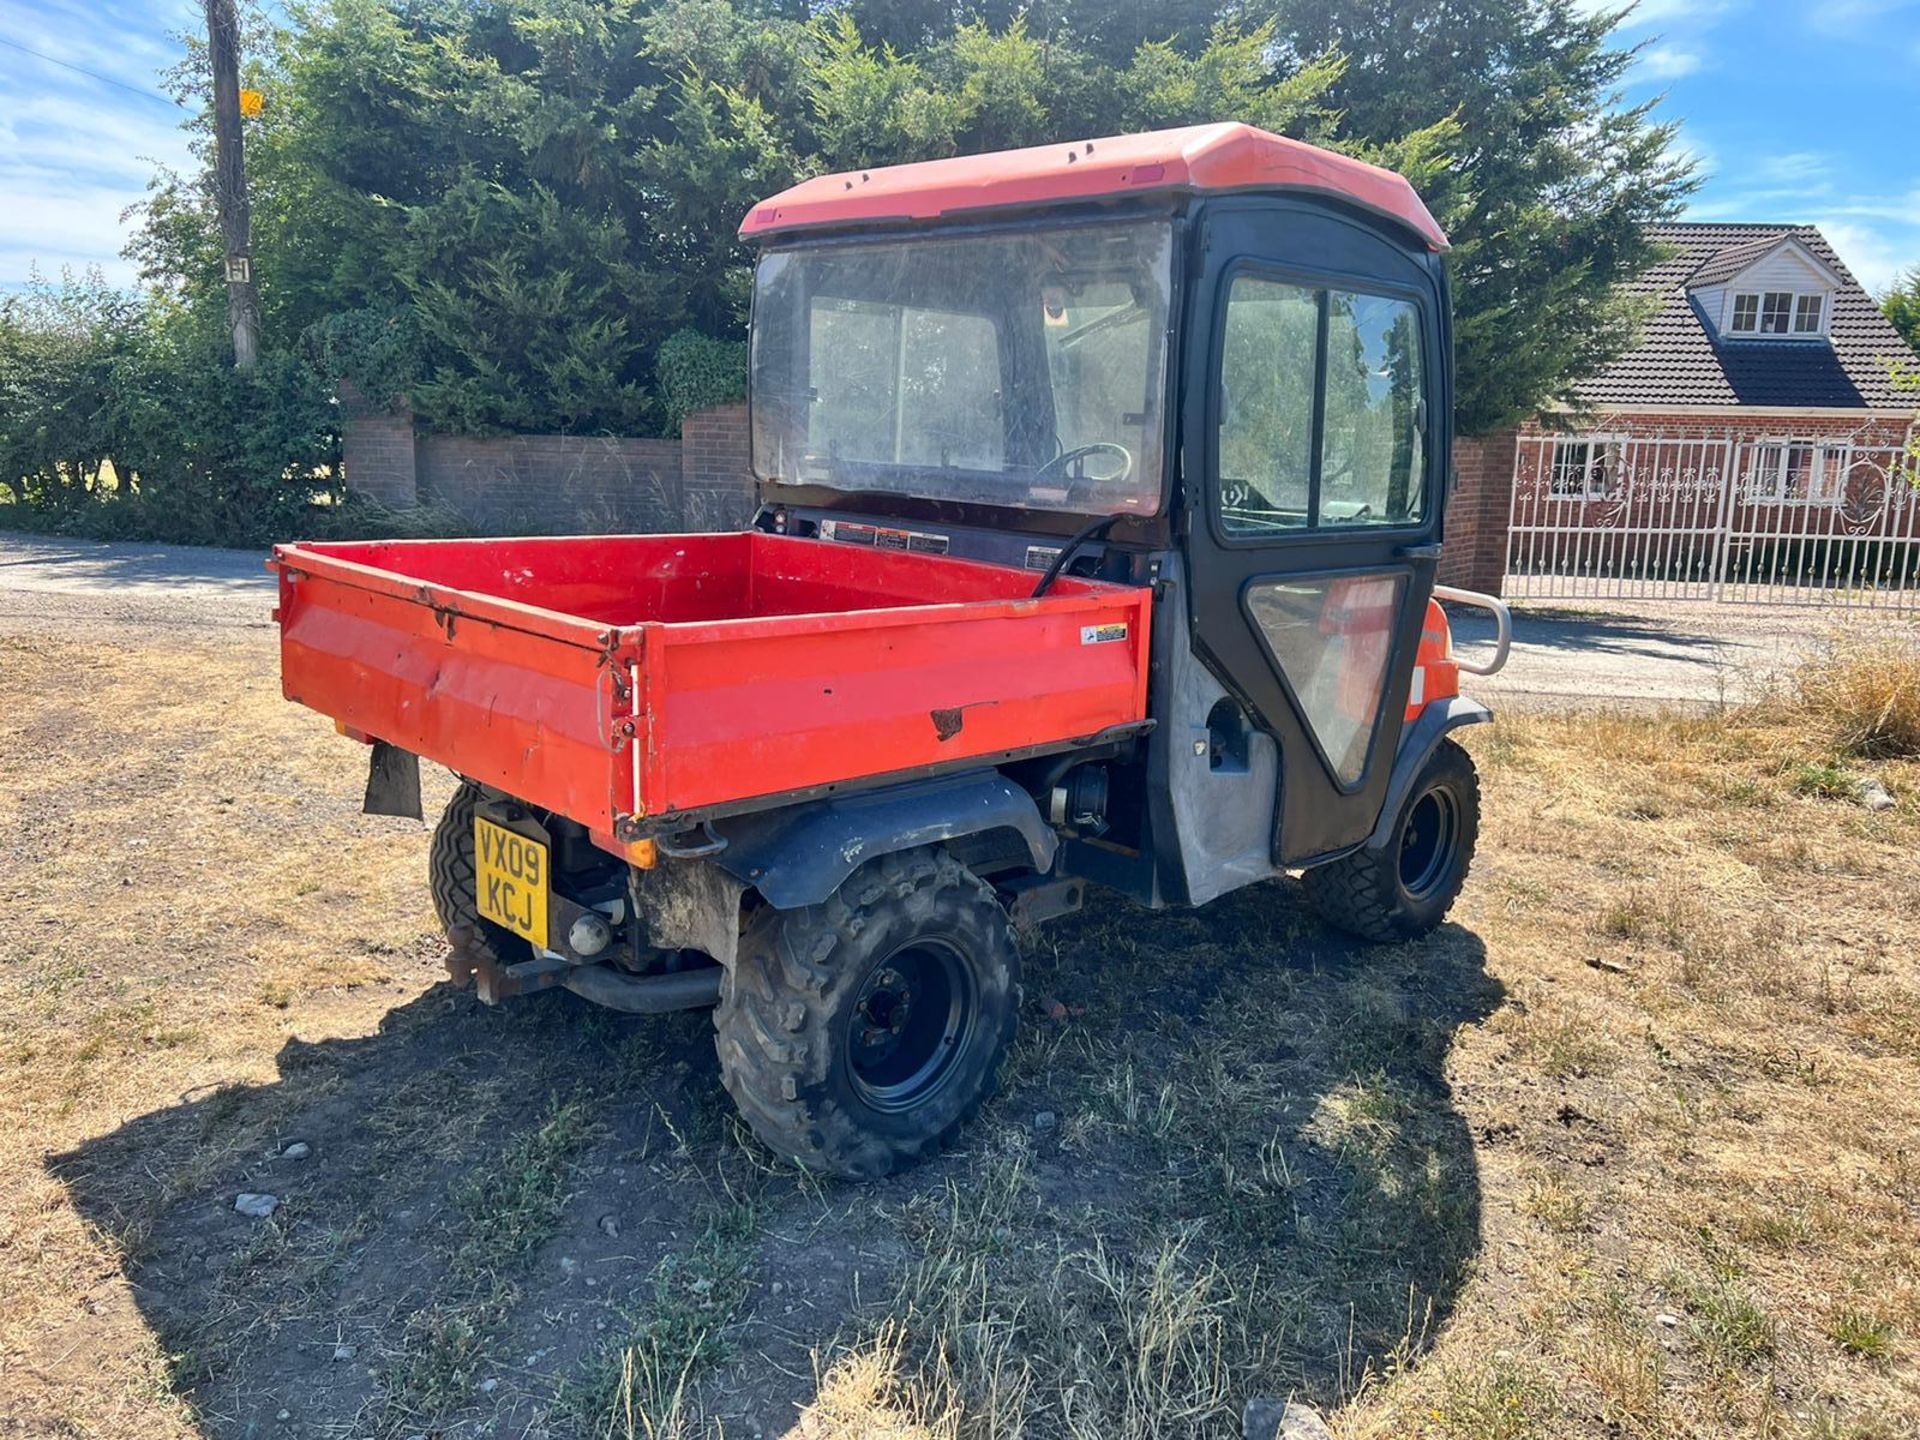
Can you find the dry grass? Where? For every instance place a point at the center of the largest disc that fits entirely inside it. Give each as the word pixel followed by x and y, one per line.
pixel 1861 694
pixel 1633 1149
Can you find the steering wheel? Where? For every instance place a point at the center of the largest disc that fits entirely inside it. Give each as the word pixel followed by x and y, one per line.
pixel 1061 467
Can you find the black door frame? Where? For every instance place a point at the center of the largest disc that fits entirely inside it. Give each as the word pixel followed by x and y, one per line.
pixel 1306 241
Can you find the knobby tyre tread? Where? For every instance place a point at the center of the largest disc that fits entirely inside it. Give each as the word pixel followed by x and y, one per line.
pixel 1362 893
pixel 452 877
pixel 782 1011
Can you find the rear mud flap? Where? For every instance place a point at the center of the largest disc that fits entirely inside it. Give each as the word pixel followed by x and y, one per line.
pixel 393 782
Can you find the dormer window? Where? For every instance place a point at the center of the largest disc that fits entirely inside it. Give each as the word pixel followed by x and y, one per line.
pixel 1778 312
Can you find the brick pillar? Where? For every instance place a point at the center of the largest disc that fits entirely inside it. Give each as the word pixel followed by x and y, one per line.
pixel 1478 512
pixel 377 452
pixel 716 475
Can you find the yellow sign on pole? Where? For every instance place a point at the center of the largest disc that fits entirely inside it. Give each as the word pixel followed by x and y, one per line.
pixel 252 102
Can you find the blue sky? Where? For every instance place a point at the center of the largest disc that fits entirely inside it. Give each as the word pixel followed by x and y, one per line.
pixel 1798 112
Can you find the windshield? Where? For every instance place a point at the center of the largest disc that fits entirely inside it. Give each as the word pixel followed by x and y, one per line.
pixel 1022 369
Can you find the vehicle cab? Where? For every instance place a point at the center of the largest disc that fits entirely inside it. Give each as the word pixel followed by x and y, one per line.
pixel 1210 360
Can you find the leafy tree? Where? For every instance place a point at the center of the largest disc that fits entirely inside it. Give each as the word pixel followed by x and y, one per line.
pixel 1547 190
pixel 120 414
pixel 535 194
pixel 1902 306
pixel 66 413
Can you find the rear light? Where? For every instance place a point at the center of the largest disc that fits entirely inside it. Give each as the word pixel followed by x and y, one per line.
pixel 641 854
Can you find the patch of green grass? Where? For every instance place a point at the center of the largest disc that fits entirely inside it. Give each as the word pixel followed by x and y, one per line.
pixel 507 1207
pixel 440 1357
pixel 512 1204
pixel 1504 1401
pixel 1824 780
pixel 1733 1330
pixel 641 1387
pixel 1861 1332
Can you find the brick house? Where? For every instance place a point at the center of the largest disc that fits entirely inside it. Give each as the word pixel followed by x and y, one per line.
pixel 1754 441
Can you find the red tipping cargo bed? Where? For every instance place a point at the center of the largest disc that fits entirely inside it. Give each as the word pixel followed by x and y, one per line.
pixel 642 677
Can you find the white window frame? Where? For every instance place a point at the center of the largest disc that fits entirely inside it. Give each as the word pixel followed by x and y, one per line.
pixel 1611 448
pixel 1758 331
pixel 1827 469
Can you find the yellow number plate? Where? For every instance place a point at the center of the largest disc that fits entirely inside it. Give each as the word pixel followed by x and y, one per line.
pixel 511 880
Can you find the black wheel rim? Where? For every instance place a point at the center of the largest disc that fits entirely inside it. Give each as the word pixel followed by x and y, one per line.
pixel 910 1024
pixel 1427 842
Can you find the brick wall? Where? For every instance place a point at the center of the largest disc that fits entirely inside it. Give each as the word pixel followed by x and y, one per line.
pixel 560 483
pixel 716 484
pixel 1475 554
pixel 377 450
pixel 553 483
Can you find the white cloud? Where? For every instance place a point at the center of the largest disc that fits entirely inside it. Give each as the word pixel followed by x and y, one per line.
pixel 1853 17
pixel 1669 62
pixel 74 152
pixel 1876 254
pixel 1795 167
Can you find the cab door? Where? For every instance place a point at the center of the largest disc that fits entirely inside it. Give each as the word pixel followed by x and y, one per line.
pixel 1315 444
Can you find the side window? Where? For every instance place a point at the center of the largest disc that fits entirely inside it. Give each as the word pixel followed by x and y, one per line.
pixel 1266 405
pixel 1289 352
pixel 1370 457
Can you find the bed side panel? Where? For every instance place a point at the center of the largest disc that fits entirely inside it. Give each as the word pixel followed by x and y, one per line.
pixel 768 706
pixel 536 716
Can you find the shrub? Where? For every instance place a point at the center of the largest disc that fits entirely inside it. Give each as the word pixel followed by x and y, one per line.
pixel 1861 694
pixel 121 417
pixel 695 371
pixel 1824 780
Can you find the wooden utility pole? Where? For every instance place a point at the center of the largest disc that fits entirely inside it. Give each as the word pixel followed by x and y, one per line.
pixel 230 182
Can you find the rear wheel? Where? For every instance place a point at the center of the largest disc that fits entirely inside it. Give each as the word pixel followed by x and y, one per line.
pixel 451 877
pixel 860 1034
pixel 1405 888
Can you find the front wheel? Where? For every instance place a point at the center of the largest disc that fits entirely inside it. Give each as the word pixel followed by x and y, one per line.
pixel 1404 889
pixel 860 1034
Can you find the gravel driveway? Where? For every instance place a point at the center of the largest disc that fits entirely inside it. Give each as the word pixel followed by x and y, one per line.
pixel 1563 654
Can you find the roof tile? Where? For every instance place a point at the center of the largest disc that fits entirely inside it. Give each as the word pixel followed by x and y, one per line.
pixel 1679 361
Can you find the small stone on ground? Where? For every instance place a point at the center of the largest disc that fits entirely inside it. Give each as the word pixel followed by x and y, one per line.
pixel 1282 1420
pixel 256 1207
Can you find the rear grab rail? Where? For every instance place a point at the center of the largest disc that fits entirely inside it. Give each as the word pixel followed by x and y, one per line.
pixel 1502 619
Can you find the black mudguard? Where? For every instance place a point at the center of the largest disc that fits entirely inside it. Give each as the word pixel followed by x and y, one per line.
pixel 1417 744
pixel 393 782
pixel 800 855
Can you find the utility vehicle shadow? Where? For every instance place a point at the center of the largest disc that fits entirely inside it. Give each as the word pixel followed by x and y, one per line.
pixel 495 1204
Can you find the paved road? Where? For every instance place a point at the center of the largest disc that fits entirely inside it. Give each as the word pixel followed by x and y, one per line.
pixel 1563 653
pixel 1647 652
pixel 81 583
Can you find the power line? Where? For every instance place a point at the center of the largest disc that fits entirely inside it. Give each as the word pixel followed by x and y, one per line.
pixel 148 93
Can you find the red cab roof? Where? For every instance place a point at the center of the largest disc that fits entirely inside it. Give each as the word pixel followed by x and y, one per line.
pixel 1197 157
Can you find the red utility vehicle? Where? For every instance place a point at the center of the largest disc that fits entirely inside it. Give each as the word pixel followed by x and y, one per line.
pixel 1102 489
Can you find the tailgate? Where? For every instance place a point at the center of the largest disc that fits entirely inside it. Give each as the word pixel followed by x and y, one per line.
pixel 533 702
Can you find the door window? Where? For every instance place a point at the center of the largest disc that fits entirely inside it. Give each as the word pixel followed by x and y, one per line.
pixel 1266 406
pixel 1296 360
pixel 1332 638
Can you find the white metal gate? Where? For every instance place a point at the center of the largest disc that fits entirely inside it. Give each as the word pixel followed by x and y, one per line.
pixel 1788 521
